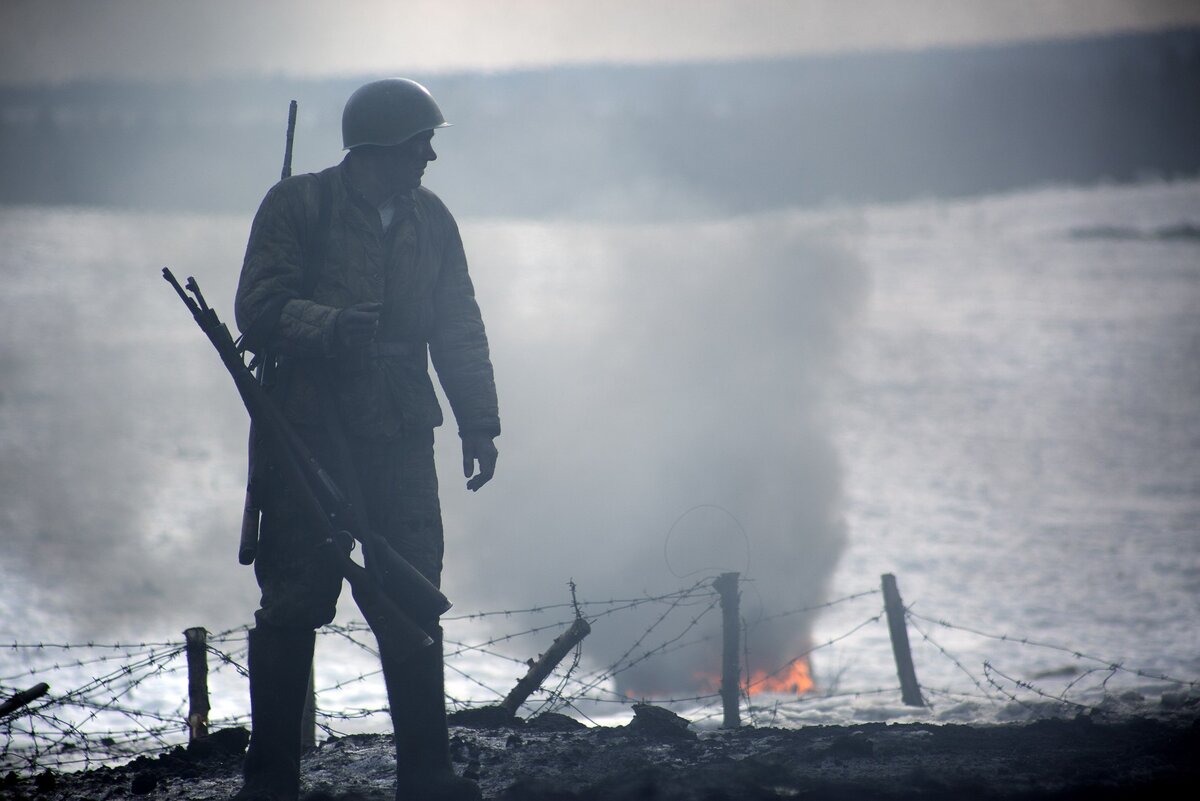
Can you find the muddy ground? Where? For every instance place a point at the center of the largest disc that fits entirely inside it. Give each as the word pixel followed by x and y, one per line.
pixel 658 757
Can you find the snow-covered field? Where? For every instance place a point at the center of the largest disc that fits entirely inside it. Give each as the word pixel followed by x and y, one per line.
pixel 994 399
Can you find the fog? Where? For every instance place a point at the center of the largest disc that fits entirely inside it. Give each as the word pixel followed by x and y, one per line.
pixel 659 142
pixel 666 326
pixel 643 371
pixel 149 42
pixel 651 370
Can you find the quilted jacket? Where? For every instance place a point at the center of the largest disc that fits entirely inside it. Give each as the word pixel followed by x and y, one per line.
pixel 416 268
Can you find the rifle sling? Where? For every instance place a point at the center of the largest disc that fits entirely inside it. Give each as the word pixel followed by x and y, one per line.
pixel 267 370
pixel 258 334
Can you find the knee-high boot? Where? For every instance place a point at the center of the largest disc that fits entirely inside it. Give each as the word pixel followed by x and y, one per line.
pixel 416 696
pixel 280 661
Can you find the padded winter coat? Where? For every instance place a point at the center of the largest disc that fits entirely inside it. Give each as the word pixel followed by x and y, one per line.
pixel 416 268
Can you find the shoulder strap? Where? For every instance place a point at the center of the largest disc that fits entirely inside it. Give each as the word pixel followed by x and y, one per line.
pixel 318 239
pixel 314 260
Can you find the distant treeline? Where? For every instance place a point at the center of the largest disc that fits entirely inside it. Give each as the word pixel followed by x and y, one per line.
pixel 651 142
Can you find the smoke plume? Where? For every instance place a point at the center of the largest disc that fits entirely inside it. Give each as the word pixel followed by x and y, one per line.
pixel 662 390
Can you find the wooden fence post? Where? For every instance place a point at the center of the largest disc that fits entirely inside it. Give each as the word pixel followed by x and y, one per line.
pixel 197 662
pixel 726 585
pixel 539 670
pixel 910 691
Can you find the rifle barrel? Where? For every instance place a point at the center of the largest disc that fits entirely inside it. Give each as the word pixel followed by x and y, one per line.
pixel 287 150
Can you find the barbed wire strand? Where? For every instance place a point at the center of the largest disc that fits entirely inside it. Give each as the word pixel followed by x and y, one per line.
pixel 69 730
pixel 953 659
pixel 815 607
pixel 815 648
pixel 1115 665
pixel 989 669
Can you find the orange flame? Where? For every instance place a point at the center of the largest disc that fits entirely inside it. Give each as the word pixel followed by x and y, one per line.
pixel 795 679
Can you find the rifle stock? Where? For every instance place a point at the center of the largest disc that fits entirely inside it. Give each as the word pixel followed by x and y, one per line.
pixel 390 592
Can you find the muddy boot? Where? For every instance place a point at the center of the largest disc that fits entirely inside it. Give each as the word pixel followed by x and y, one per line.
pixel 417 699
pixel 280 661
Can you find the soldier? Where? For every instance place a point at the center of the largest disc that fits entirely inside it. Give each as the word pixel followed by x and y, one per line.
pixel 355 277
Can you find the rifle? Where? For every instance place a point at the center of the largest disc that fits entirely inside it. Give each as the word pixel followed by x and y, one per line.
pixel 251 511
pixel 390 592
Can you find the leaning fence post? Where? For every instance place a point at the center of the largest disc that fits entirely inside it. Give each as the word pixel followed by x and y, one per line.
pixel 24 698
pixel 197 663
pixel 726 585
pixel 539 670
pixel 910 691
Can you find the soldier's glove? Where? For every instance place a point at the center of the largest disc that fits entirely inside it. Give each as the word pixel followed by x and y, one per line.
pixel 356 325
pixel 478 447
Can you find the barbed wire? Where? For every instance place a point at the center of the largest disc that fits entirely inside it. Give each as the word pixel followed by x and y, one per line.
pixel 815 607
pixel 108 716
pixel 804 699
pixel 465 648
pixel 66 736
pixel 555 698
pixel 989 669
pixel 476 681
pixel 815 648
pixel 229 659
pixel 42 646
pixel 957 663
pixel 744 679
pixel 625 603
pixel 347 633
pixel 617 668
pixel 1115 665
pixel 947 692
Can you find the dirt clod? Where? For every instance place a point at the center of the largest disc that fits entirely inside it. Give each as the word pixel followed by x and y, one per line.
pixel 144 783
pixel 655 721
pixel 45 782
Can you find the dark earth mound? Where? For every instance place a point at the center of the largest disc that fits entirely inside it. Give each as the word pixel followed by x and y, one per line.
pixel 543 760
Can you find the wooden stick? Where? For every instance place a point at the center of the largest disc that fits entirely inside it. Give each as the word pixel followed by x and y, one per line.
pixel 910 691
pixel 727 585
pixel 24 697
pixel 197 662
pixel 539 670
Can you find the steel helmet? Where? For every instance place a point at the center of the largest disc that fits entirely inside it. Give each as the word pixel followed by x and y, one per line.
pixel 387 112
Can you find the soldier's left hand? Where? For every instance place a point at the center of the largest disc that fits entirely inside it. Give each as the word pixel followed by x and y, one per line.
pixel 478 448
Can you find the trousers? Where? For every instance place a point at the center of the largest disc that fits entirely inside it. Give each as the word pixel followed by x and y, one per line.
pixel 300 584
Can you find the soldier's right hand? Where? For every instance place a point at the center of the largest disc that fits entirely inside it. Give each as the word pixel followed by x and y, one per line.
pixel 356 325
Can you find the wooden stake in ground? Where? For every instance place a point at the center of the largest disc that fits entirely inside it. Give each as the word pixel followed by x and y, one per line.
pixel 910 691
pixel 197 661
pixel 726 585
pixel 539 670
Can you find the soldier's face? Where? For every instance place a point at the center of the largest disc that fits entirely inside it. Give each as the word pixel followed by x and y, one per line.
pixel 404 164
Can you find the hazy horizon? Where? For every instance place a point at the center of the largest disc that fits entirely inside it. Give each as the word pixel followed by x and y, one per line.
pixel 66 40
pixel 649 142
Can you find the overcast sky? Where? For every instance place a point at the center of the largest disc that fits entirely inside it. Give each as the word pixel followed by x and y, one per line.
pixel 63 40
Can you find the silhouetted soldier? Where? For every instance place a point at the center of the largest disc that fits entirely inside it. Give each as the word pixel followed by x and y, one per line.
pixel 355 276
